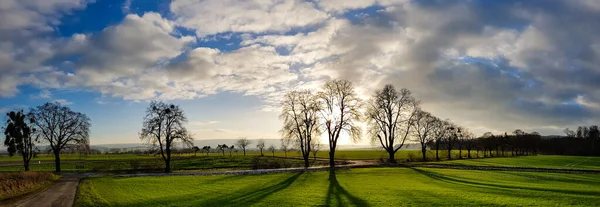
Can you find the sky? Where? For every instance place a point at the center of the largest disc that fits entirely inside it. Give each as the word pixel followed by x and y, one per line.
pixel 487 65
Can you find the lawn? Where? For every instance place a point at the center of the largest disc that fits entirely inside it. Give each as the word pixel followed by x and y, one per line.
pixel 185 163
pixel 539 161
pixel 356 187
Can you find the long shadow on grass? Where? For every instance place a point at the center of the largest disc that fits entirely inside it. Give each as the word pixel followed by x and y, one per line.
pixel 453 180
pixel 249 198
pixel 336 191
pixel 244 197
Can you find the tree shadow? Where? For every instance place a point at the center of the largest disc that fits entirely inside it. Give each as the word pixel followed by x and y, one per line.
pixel 246 198
pixel 243 197
pixel 336 192
pixel 457 181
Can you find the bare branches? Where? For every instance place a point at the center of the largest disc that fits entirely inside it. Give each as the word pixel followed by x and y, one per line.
pixel 164 126
pixel 243 142
pixel 340 112
pixel 389 117
pixel 59 126
pixel 300 121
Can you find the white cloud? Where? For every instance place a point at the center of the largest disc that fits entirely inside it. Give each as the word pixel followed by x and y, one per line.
pixel 44 94
pixel 24 45
pixel 203 123
pixel 256 16
pixel 62 101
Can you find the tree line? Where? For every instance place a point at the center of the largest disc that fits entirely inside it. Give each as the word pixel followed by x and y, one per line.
pixel 395 118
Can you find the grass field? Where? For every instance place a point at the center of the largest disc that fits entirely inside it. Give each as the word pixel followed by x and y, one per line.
pixel 357 187
pixel 341 154
pixel 540 161
pixel 187 163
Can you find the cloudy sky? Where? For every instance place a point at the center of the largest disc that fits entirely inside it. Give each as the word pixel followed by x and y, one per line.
pixel 488 65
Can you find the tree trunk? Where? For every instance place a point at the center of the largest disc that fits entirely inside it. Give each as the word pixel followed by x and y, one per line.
pixel 424 152
pixel 449 153
pixel 244 152
pixel 57 161
pixel 168 165
pixel 469 153
pixel 261 154
pixel 332 158
pixel 305 157
pixel 25 162
pixel 460 153
pixel 168 161
pixel 392 158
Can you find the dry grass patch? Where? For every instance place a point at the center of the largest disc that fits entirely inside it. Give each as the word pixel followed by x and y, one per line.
pixel 18 183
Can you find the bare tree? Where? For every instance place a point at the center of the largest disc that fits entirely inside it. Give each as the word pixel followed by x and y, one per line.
pixel 231 148
pixel 340 112
pixel 243 142
pixel 260 144
pixel 438 133
pixel 206 149
pixel 469 142
pixel 451 138
pixel 59 126
pixel 195 149
pixel 569 133
pixel 300 121
pixel 389 117
pixel 272 150
pixel 316 146
pixel 20 137
pixel 222 148
pixel 285 146
pixel 423 126
pixel 164 126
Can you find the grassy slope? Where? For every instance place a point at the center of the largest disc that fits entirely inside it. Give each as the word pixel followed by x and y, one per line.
pixel 19 183
pixel 541 161
pixel 359 187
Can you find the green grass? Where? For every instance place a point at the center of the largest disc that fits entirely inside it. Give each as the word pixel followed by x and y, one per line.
pixel 185 163
pixel 540 161
pixel 358 187
pixel 401 155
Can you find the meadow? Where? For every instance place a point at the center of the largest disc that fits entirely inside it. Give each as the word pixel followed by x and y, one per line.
pixel 539 161
pixel 355 187
pixel 157 164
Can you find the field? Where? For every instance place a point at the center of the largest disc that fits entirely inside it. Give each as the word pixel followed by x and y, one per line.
pixel 402 155
pixel 540 161
pixel 157 164
pixel 356 187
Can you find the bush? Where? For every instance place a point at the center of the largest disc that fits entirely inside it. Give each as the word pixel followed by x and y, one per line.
pixel 19 183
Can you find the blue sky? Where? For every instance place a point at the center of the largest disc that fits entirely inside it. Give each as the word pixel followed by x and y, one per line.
pixel 487 65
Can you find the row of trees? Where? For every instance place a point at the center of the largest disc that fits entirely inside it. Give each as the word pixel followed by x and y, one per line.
pixel 52 124
pixel 393 117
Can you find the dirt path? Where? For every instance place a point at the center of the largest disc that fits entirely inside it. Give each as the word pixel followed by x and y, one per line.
pixel 61 193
